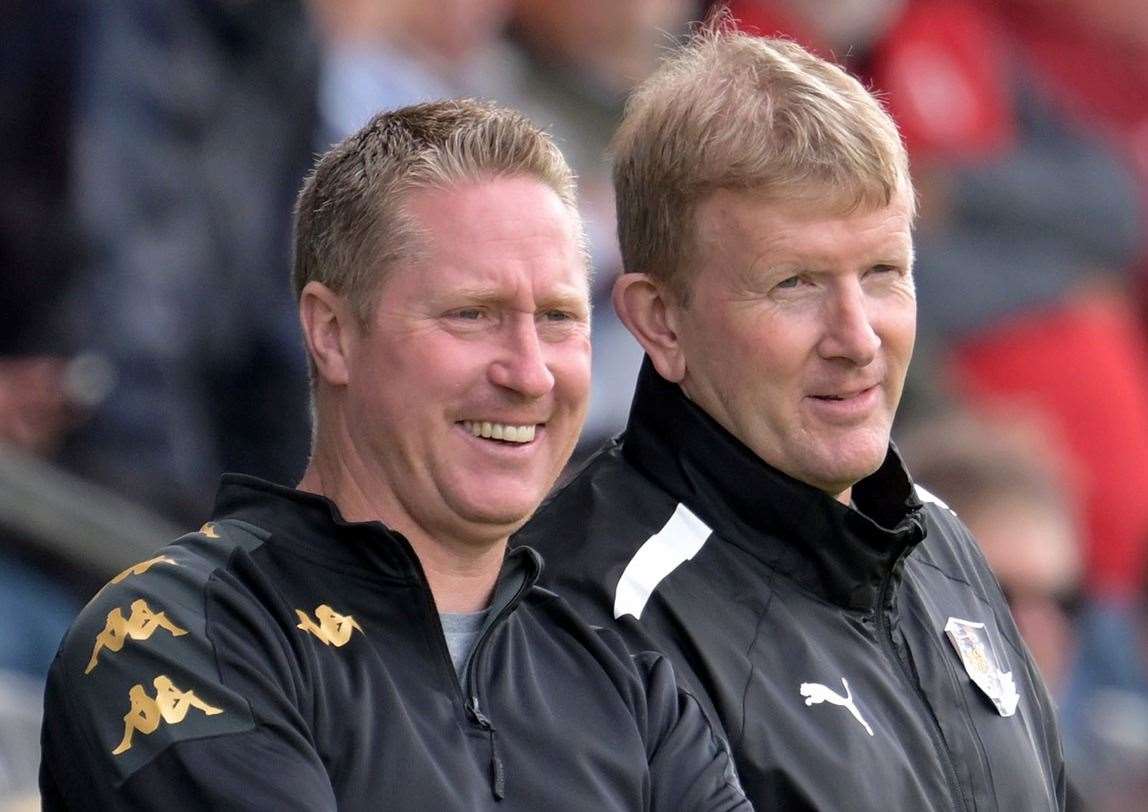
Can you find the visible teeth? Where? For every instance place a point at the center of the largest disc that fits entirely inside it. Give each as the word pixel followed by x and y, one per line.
pixel 500 431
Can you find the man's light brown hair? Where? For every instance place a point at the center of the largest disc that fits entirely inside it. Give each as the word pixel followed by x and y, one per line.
pixel 350 222
pixel 733 111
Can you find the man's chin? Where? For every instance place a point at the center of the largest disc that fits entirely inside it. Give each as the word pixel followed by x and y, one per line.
pixel 499 500
pixel 502 517
pixel 838 474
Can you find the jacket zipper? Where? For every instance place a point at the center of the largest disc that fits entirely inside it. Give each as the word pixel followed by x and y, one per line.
pixel 469 699
pixel 886 638
pixel 472 703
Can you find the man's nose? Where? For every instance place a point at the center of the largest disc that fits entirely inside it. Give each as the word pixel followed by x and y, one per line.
pixel 520 364
pixel 848 330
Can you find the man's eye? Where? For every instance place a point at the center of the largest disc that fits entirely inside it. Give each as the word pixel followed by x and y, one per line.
pixel 557 315
pixel 468 313
pixel 789 282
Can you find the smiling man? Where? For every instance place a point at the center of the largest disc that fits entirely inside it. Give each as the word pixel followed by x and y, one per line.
pixel 754 521
pixel 364 641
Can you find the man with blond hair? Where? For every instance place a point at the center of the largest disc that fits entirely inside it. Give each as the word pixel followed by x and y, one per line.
pixel 364 641
pixel 754 522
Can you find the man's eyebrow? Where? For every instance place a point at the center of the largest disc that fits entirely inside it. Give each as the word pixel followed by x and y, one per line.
pixel 569 297
pixel 572 302
pixel 893 259
pixel 480 294
pixel 760 269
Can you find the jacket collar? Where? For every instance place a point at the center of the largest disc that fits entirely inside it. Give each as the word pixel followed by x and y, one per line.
pixel 312 526
pixel 841 554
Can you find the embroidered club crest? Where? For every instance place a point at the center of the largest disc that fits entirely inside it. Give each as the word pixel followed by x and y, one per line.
pixel 972 645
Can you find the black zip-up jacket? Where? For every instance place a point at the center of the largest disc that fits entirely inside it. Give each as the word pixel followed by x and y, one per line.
pixel 284 659
pixel 817 632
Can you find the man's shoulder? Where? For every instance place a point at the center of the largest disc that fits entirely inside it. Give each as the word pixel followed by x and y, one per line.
pixel 140 658
pixel 624 552
pixel 948 542
pixel 951 550
pixel 176 575
pixel 607 509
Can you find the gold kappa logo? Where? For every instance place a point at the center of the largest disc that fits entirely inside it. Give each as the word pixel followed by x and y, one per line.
pixel 209 530
pixel 142 567
pixel 169 705
pixel 139 569
pixel 140 625
pixel 333 628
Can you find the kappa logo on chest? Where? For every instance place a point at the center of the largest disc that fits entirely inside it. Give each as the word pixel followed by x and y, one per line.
pixel 333 628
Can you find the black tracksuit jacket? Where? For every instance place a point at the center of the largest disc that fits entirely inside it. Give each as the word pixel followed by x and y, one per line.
pixel 815 632
pixel 283 659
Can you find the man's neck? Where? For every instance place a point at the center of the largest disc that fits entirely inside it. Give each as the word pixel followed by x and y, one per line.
pixel 460 570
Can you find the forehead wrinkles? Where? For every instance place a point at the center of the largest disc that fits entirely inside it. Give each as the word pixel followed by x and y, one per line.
pixel 748 229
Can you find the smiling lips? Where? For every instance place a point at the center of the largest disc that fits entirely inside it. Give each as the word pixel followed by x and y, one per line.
pixel 837 396
pixel 849 406
pixel 500 431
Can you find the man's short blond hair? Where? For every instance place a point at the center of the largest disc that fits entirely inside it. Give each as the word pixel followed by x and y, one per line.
pixel 733 111
pixel 350 220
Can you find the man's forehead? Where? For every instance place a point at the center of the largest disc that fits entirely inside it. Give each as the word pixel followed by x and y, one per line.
pixel 452 217
pixel 814 202
pixel 488 241
pixel 736 219
pixel 489 206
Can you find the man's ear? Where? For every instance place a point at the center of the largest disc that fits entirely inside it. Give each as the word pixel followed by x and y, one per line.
pixel 327 328
pixel 649 312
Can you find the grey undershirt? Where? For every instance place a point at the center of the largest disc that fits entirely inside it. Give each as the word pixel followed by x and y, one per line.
pixel 461 632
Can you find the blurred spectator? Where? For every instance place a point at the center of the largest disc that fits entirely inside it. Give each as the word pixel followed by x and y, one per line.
pixel 1004 476
pixel 1104 85
pixel 382 55
pixel 1029 225
pixel 573 66
pixel 38 52
pixel 195 124
pixel 38 59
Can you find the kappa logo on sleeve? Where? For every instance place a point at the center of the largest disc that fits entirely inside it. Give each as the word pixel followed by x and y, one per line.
pixel 141 624
pixel 333 628
pixel 209 531
pixel 142 567
pixel 170 705
pixel 139 569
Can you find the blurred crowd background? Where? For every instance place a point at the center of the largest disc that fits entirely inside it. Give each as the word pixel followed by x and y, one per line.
pixel 151 151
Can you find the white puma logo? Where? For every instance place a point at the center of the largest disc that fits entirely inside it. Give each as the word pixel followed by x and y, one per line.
pixel 816 693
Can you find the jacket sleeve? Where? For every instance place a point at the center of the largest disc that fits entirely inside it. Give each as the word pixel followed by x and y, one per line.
pixel 690 767
pixel 173 691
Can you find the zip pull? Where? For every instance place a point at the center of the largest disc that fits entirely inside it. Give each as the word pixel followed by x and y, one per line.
pixel 497 773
